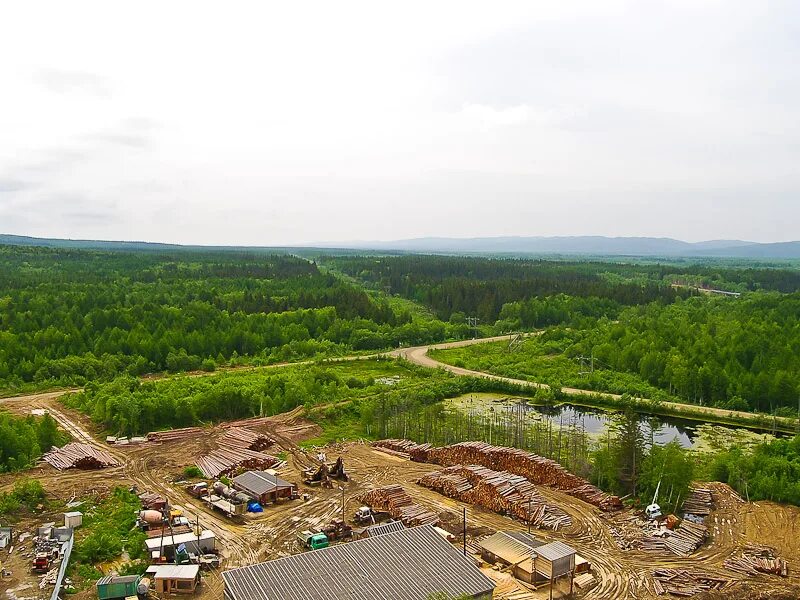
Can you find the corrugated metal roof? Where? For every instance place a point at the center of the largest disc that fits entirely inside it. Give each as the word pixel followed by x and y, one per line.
pixel 155 543
pixel 525 538
pixel 176 571
pixel 410 564
pixel 259 482
pixel 384 528
pixel 506 547
pixel 118 579
pixel 554 551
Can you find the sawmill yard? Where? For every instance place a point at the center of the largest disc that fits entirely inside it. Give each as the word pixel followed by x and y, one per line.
pixel 598 536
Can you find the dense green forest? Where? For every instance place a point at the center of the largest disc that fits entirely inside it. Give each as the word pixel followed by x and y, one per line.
pixel 130 406
pixel 770 472
pixel 71 316
pixel 734 353
pixel 23 440
pixel 479 287
pixel 457 286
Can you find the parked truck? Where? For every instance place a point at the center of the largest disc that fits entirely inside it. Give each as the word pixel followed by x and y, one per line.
pixel 313 541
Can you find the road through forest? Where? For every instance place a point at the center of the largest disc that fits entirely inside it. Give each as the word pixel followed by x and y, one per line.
pixel 419 355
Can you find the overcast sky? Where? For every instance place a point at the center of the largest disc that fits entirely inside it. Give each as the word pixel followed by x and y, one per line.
pixel 285 122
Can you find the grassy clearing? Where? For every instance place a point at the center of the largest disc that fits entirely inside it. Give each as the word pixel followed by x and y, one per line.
pixel 544 362
pixel 108 535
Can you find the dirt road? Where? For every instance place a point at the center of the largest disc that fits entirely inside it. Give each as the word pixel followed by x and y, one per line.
pixel 419 355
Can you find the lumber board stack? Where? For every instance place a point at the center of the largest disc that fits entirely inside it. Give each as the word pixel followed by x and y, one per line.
pixel 757 559
pixel 699 502
pixel 78 455
pixel 536 469
pixel 685 582
pixel 239 437
pixel 499 491
pixel 223 461
pixel 173 434
pixel 396 501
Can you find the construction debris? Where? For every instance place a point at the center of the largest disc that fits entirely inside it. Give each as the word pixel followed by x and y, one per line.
pixel 758 559
pixel 500 491
pixel 223 461
pixel 79 456
pixel 699 502
pixel 396 501
pixel 239 437
pixel 538 470
pixel 679 582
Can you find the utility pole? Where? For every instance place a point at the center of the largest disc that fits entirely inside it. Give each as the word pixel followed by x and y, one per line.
pixel 465 531
pixel 584 360
pixel 473 324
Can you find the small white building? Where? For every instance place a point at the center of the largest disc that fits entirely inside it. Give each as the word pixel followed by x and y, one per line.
pixel 73 519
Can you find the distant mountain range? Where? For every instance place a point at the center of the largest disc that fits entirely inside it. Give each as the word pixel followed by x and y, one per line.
pixel 576 245
pixel 586 245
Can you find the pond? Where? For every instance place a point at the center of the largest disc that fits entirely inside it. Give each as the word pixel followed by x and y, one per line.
pixel 688 433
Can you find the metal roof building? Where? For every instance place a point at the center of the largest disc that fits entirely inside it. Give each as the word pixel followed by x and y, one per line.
pixel 529 557
pixel 264 486
pixel 409 564
pixel 376 530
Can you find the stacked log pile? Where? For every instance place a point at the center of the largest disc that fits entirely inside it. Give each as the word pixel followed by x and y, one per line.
pixel 499 491
pixel 757 559
pixel 396 501
pixel 223 461
pixel 239 437
pixel 699 502
pixel 537 469
pixel 680 582
pixel 173 434
pixel 398 447
pixel 725 497
pixel 79 456
pixel 682 541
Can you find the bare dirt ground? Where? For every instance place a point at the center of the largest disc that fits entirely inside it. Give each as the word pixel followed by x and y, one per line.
pixel 621 574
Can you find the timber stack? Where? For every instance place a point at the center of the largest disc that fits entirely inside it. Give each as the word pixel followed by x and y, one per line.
pixel 757 559
pixel 239 437
pixel 396 501
pixel 173 434
pixel 223 461
pixel 499 491
pixel 699 502
pixel 680 582
pixel 682 541
pixel 400 448
pixel 536 469
pixel 78 455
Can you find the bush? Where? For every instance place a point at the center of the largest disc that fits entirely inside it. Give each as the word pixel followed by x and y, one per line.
pixel 193 472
